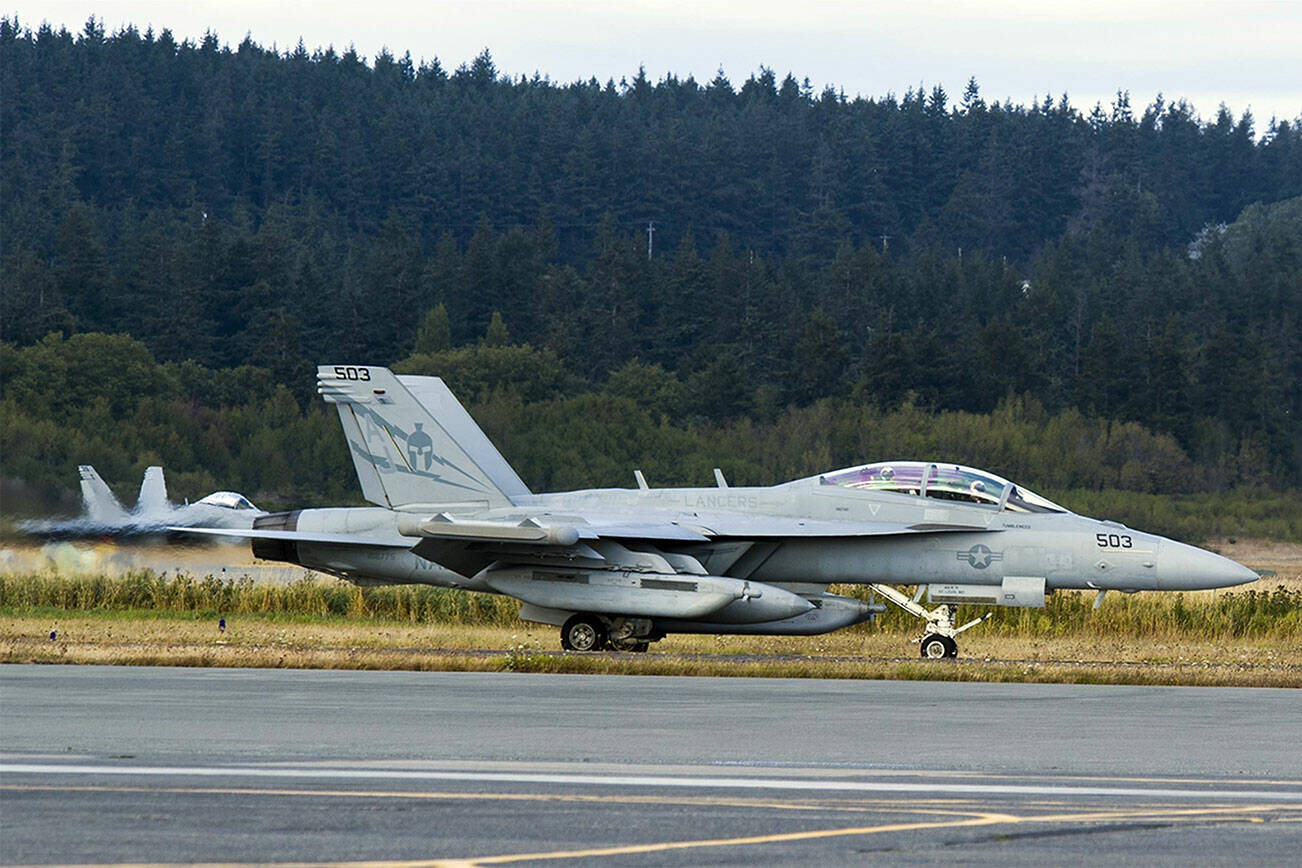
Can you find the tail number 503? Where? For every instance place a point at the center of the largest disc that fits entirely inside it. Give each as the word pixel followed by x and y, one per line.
pixel 1113 540
pixel 343 373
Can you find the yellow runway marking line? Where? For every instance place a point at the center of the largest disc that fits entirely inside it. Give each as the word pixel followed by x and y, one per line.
pixel 1241 813
pixel 741 769
pixel 839 805
pixel 1155 813
pixel 618 850
pixel 956 807
pixel 981 820
pixel 661 847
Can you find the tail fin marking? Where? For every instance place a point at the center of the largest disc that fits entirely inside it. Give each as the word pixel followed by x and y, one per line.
pixel 409 450
pixel 437 399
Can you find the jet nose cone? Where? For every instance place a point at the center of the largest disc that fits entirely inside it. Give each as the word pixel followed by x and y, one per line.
pixel 1183 567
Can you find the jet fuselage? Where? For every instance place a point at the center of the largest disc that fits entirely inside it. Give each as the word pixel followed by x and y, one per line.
pixel 1068 551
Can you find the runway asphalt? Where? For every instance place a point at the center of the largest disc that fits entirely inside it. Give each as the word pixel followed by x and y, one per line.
pixel 117 765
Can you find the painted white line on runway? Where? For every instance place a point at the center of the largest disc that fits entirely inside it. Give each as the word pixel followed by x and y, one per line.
pixel 649 781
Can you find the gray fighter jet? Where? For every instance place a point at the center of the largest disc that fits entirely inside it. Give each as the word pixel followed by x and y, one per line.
pixel 104 514
pixel 620 568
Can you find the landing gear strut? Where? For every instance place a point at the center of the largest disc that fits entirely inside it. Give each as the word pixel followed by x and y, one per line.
pixel 631 634
pixel 938 641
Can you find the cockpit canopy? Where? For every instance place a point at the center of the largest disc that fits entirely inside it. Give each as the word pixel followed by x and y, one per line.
pixel 943 481
pixel 227 500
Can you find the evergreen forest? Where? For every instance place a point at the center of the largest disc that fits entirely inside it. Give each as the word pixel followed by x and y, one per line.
pixel 672 274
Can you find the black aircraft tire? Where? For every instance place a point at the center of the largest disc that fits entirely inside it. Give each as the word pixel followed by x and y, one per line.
pixel 937 647
pixel 583 633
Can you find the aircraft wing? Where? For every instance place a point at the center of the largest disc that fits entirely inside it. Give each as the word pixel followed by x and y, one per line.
pixel 777 526
pixel 466 546
pixel 700 529
pixel 654 531
pixel 695 527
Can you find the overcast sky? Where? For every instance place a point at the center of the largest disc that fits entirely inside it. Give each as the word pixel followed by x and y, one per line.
pixel 1244 53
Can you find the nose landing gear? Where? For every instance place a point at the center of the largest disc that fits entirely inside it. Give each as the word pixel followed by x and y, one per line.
pixel 938 642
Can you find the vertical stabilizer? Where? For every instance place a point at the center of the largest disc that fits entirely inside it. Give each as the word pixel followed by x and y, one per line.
pixel 101 505
pixel 153 493
pixel 415 451
pixel 437 400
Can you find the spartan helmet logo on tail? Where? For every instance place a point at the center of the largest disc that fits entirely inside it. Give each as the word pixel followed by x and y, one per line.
pixel 420 448
pixel 412 442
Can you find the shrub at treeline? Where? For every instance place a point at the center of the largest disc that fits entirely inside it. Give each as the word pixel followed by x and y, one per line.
pixel 249 207
pixel 1098 305
pixel 103 400
pixel 1265 614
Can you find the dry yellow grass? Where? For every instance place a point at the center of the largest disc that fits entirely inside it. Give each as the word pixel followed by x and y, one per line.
pixel 259 642
pixel 1089 652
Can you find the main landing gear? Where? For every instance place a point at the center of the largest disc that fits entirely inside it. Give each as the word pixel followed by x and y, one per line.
pixel 938 642
pixel 588 632
pixel 583 633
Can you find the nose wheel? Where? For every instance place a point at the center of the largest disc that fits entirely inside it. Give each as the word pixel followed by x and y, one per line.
pixel 937 647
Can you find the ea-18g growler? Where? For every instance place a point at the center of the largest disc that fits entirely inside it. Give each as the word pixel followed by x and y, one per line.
pixel 621 568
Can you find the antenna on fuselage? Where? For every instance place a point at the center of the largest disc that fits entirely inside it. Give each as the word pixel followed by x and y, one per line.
pixel 641 480
pixel 718 478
